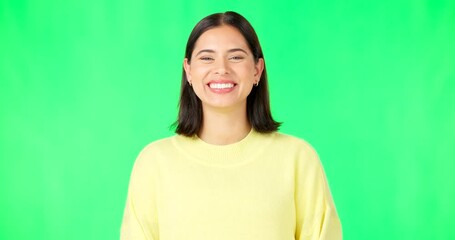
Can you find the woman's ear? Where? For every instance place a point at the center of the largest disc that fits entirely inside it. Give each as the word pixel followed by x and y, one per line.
pixel 259 67
pixel 187 67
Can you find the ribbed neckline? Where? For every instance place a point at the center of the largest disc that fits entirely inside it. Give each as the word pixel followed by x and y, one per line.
pixel 229 155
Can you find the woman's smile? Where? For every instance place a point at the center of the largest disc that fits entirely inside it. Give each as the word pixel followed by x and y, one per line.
pixel 223 86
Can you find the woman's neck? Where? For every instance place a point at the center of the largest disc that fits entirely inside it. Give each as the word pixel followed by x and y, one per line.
pixel 224 127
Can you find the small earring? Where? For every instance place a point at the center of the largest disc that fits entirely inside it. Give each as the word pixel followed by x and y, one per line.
pixel 257 83
pixel 190 83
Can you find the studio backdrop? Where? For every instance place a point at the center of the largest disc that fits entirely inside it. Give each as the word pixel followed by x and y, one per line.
pixel 85 85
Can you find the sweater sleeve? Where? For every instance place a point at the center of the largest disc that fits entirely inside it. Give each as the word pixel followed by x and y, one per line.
pixel 316 214
pixel 140 215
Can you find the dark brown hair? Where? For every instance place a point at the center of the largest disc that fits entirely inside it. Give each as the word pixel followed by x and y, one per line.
pixel 189 120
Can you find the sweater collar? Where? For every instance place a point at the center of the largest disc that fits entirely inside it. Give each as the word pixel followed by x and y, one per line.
pixel 234 154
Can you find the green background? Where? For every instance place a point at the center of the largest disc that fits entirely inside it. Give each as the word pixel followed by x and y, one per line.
pixel 84 85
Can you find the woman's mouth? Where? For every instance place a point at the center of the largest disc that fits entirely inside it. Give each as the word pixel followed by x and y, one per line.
pixel 221 85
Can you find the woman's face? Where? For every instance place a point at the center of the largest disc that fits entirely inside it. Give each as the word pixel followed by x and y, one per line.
pixel 222 70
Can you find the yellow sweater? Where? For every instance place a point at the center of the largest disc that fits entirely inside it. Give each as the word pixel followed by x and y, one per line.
pixel 264 187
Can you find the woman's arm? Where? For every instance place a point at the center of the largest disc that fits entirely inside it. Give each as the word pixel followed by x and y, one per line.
pixel 140 216
pixel 317 218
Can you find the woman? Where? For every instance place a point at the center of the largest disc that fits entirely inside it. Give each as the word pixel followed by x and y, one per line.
pixel 227 174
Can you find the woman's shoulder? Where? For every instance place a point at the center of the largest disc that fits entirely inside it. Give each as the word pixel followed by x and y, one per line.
pixel 291 140
pixel 159 143
pixel 157 147
pixel 291 145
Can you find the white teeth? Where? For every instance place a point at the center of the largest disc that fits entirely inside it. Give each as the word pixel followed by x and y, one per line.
pixel 221 85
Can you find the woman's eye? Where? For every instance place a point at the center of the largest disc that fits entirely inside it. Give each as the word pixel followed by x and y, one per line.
pixel 206 58
pixel 236 58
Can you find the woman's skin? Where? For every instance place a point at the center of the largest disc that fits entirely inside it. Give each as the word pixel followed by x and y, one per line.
pixel 222 72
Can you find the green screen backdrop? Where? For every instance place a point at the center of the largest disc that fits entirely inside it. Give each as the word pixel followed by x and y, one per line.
pixel 84 85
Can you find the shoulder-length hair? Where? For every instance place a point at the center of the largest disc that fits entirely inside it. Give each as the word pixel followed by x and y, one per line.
pixel 189 120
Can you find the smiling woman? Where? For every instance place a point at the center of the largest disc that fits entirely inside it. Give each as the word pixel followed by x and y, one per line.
pixel 222 63
pixel 228 173
pixel 244 47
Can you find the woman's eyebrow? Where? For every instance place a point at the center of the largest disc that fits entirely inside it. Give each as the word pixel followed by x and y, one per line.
pixel 213 51
pixel 236 50
pixel 205 50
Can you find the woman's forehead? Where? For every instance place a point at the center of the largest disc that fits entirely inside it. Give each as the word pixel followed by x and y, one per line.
pixel 221 38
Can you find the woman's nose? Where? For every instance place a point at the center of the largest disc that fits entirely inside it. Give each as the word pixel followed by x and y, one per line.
pixel 221 67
